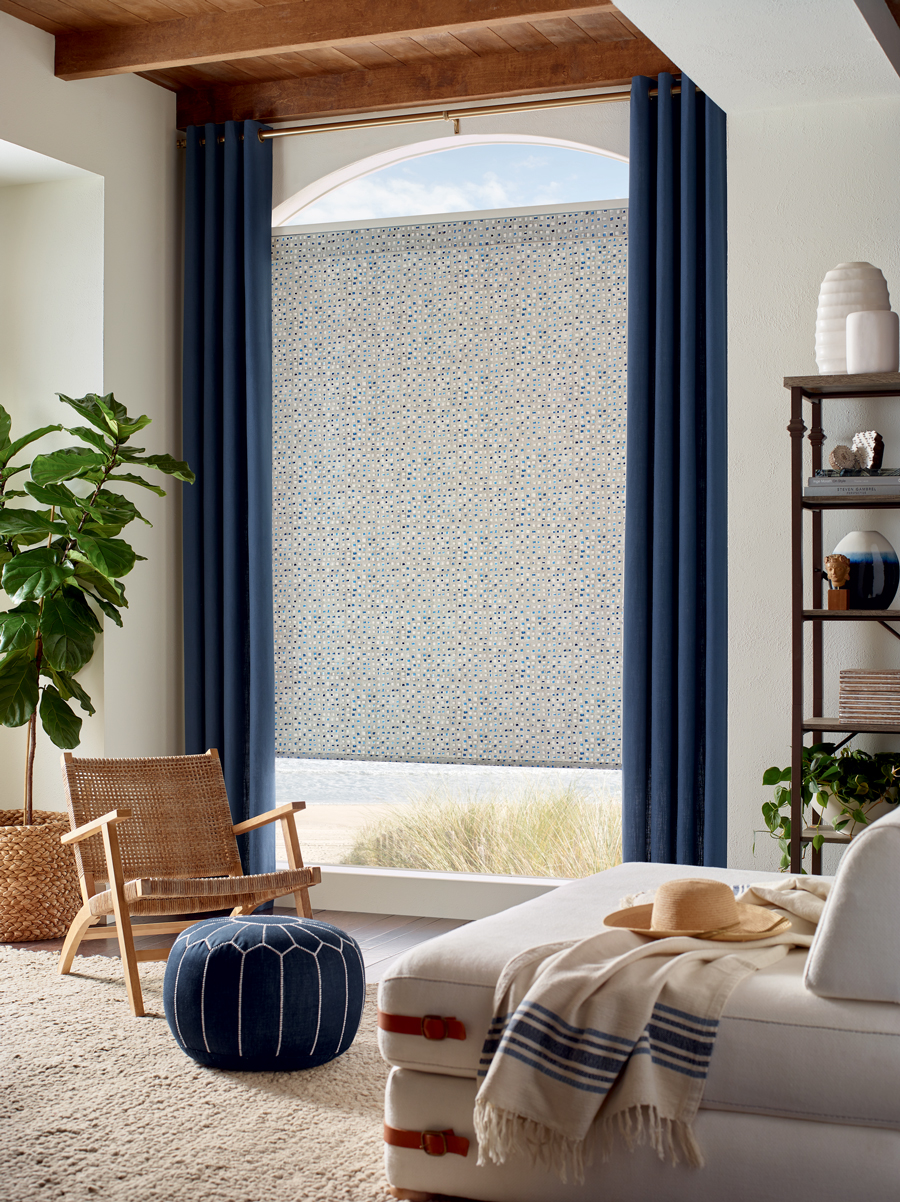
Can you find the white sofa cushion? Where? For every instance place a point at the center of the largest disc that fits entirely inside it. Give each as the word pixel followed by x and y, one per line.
pixel 856 951
pixel 780 1050
pixel 749 1158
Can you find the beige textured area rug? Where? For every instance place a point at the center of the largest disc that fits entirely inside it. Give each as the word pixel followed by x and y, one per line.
pixel 97 1105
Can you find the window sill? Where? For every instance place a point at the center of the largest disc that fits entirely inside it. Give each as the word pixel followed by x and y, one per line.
pixel 424 894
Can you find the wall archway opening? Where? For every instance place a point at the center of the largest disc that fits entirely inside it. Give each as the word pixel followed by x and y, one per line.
pixel 463 173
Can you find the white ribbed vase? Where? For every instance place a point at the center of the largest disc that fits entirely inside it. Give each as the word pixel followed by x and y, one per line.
pixel 847 288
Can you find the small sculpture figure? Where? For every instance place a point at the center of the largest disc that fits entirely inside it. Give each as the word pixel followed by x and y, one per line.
pixel 869 448
pixel 837 569
pixel 843 459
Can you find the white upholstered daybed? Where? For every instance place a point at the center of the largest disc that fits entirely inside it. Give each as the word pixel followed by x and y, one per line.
pixel 802 1101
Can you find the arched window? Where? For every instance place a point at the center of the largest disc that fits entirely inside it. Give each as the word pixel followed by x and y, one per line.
pixel 449 494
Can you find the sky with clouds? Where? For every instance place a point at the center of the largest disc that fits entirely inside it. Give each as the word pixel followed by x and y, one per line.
pixel 473 178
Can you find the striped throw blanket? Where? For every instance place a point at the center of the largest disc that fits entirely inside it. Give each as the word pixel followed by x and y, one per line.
pixel 607 1039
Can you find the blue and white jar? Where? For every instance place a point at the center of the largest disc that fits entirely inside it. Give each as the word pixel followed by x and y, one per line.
pixel 874 569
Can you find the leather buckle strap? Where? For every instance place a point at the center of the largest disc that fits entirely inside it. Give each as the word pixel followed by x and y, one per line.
pixel 432 1143
pixel 430 1026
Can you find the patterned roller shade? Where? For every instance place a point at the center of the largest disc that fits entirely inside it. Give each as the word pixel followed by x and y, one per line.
pixel 449 465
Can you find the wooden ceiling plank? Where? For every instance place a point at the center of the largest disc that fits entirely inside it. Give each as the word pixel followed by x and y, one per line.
pixel 31 17
pixel 149 10
pixel 236 6
pixel 191 8
pixel 604 27
pixel 522 37
pixel 243 32
pixel 369 55
pixel 295 64
pixel 58 10
pixel 483 41
pixel 405 50
pixel 330 61
pixel 561 31
pixel 165 79
pixel 443 45
pixel 106 15
pixel 436 84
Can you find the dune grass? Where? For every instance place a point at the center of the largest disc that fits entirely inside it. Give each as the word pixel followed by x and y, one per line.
pixel 555 833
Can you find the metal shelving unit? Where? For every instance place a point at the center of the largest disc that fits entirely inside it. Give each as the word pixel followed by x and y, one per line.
pixel 816 390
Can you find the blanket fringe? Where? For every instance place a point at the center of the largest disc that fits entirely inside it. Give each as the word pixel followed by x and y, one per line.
pixel 671 1139
pixel 502 1134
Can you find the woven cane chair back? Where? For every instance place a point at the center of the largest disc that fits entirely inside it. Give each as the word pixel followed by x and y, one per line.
pixel 180 824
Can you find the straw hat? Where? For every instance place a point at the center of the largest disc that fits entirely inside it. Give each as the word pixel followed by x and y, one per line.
pixel 703 909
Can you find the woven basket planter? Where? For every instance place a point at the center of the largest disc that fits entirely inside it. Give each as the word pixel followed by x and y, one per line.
pixel 39 892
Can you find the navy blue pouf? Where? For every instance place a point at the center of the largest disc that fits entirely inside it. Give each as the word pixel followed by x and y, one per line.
pixel 264 994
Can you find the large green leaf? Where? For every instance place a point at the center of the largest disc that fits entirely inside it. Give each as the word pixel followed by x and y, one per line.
pixel 18 688
pixel 32 574
pixel 18 629
pixel 94 437
pixel 83 611
pixel 63 727
pixel 109 503
pixel 16 523
pixel 67 464
pixel 5 427
pixel 111 556
pixel 53 494
pixel 128 478
pixel 163 463
pixel 14 447
pixel 68 688
pixel 107 414
pixel 109 609
pixel 110 590
pixel 68 640
pixel 94 408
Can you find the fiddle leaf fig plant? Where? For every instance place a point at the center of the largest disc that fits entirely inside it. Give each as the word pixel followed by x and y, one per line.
pixel 854 780
pixel 63 563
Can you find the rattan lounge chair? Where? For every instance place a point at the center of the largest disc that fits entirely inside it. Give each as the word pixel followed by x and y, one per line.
pixel 158 834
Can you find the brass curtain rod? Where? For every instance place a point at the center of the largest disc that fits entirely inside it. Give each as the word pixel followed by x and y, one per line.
pixel 454 115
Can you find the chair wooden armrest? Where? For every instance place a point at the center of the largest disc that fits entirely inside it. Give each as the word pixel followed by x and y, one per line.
pixel 241 828
pixel 95 827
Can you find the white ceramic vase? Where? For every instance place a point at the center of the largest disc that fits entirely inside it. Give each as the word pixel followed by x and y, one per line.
pixel 873 341
pixel 847 288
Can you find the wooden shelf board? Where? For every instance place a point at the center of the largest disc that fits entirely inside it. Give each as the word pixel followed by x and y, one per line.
pixel 849 502
pixel 887 382
pixel 852 615
pixel 828 835
pixel 863 726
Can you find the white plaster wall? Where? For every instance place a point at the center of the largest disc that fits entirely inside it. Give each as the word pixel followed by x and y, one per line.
pixel 300 161
pixel 809 186
pixel 51 340
pixel 122 129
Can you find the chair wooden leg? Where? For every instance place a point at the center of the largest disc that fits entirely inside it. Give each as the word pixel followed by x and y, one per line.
pixel 74 936
pixel 408 1195
pixel 123 921
pixel 295 860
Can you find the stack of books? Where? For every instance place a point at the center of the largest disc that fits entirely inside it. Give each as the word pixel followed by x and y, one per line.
pixel 833 484
pixel 873 696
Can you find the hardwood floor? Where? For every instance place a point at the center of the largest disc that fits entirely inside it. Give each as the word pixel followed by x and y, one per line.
pixel 382 937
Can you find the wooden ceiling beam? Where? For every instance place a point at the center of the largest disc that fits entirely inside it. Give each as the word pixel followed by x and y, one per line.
pixel 447 82
pixel 286 28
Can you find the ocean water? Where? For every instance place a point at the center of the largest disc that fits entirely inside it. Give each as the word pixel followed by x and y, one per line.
pixel 364 782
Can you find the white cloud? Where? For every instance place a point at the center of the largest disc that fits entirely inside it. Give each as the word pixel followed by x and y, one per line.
pixel 371 197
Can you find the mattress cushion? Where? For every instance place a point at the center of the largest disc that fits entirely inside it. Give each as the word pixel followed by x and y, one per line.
pixel 780 1049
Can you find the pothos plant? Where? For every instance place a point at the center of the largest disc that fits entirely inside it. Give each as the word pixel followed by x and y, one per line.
pixel 60 589
pixel 855 779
